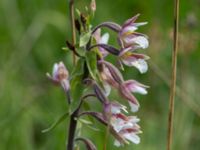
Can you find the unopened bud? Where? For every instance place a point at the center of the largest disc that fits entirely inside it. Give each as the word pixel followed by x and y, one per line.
pixel 60 72
pixel 78 26
pixel 83 19
pixel 93 6
pixel 60 75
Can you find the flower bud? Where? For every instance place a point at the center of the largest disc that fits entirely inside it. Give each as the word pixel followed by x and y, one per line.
pixel 60 75
pixel 93 6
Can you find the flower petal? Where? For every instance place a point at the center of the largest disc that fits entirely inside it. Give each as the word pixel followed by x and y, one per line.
pixel 142 41
pixel 113 71
pixel 131 20
pixel 136 87
pixel 131 28
pixel 134 107
pixel 139 40
pixel 126 93
pixel 117 143
pixel 104 39
pixel 106 89
pixel 134 138
pixel 140 64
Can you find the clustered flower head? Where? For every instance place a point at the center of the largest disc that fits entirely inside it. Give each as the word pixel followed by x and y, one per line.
pixel 102 76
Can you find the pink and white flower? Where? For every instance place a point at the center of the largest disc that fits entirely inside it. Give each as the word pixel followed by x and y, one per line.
pixel 60 75
pixel 131 86
pixel 130 58
pixel 128 36
pixel 125 128
pixel 129 134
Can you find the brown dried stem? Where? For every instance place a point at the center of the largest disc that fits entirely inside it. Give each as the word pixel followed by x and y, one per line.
pixel 173 78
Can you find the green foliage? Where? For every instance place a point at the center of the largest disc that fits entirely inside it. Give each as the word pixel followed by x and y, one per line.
pixel 57 122
pixel 91 60
pixel 79 68
pixel 84 39
pixel 76 85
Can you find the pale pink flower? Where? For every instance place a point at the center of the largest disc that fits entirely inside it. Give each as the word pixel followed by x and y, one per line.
pixel 128 36
pixel 128 57
pixel 125 127
pixel 60 75
pixel 129 134
pixel 131 86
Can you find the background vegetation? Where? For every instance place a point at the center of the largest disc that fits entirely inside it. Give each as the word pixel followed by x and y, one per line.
pixel 32 34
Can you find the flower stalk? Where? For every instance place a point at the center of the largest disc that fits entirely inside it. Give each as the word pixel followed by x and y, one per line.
pixel 72 20
pixel 173 76
pixel 73 121
pixel 72 130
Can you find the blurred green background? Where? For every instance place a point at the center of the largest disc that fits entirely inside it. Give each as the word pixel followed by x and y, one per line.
pixel 32 34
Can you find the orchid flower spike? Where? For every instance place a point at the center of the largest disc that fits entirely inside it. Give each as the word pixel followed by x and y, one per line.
pixel 60 75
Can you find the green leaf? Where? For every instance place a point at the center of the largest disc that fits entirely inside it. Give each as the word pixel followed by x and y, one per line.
pixel 76 85
pixel 78 12
pixel 79 69
pixel 87 107
pixel 84 121
pixel 88 124
pixel 93 127
pixel 77 89
pixel 57 122
pixel 91 60
pixel 84 38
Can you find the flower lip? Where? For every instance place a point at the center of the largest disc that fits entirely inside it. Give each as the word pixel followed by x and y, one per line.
pixel 115 108
pixel 134 59
pixel 133 39
pixel 136 87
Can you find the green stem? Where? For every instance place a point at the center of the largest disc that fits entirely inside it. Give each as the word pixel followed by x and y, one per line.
pixel 173 78
pixel 73 121
pixel 72 20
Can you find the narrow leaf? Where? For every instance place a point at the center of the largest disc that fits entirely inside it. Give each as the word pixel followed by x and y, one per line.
pixel 77 89
pixel 84 121
pixel 84 38
pixel 79 69
pixel 91 60
pixel 57 122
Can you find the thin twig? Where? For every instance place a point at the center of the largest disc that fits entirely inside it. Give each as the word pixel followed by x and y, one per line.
pixel 173 78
